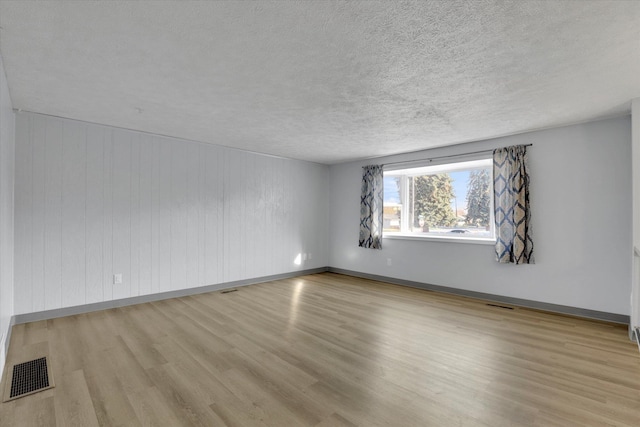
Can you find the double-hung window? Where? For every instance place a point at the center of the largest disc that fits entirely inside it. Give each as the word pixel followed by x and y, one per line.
pixel 445 201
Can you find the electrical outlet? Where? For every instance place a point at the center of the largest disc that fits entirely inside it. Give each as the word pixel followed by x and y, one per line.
pixel 304 257
pixel 117 279
pixel 309 257
pixel 388 261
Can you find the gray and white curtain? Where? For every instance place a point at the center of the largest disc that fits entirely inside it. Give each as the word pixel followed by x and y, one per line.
pixel 371 207
pixel 511 198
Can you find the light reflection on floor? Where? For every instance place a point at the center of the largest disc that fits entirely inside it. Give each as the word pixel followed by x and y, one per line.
pixel 293 308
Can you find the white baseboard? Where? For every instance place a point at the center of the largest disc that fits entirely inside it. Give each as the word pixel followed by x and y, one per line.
pixel 555 308
pixel 87 308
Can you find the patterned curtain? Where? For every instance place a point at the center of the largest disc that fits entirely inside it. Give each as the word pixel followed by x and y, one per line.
pixel 511 198
pixel 371 207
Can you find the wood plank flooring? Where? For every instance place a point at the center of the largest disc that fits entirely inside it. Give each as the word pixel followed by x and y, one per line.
pixel 327 350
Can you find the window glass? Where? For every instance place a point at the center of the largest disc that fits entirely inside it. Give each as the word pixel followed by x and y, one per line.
pixel 453 200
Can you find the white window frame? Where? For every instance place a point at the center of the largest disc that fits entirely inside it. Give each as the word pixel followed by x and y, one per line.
pixel 430 169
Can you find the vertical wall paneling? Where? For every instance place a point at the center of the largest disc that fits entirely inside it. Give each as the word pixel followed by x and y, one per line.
pixel 221 219
pixel 154 155
pixel 269 219
pixel 213 171
pixel 243 229
pixel 233 223
pixel 208 210
pixel 280 212
pixel 192 204
pixel 201 213
pixel 635 214
pixel 7 203
pixel 107 218
pixel 121 184
pixel 229 206
pixel 23 225
pixel 145 217
pixel 37 140
pixel 73 213
pixel 264 219
pixel 257 254
pixel 236 230
pixel 164 216
pixel 301 195
pixel 290 214
pixel 277 215
pixel 93 201
pixel 53 209
pixel 254 231
pixel 178 216
pixel 136 214
pixel 94 196
pixel 293 210
pixel 277 212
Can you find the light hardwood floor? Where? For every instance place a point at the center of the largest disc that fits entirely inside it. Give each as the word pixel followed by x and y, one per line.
pixel 328 350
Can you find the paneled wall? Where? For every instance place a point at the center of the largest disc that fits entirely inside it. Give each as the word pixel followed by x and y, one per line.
pixel 7 144
pixel 581 216
pixel 635 249
pixel 93 201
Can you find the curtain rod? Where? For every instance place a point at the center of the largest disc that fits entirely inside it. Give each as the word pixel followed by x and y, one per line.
pixel 447 157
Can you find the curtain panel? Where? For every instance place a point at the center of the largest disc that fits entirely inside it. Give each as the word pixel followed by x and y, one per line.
pixel 514 243
pixel 371 207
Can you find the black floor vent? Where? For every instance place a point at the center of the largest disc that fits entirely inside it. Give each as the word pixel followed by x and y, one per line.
pixel 29 377
pixel 500 306
pixel 228 290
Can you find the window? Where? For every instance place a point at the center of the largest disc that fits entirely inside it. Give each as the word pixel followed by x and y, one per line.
pixel 446 201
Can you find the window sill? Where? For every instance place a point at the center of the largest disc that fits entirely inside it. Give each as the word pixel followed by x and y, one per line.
pixel 444 239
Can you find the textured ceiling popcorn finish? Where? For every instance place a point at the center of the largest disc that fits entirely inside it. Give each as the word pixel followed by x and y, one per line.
pixel 324 81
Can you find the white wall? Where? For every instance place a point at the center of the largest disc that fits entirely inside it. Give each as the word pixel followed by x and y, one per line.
pixel 168 214
pixel 7 145
pixel 93 200
pixel 635 135
pixel 581 214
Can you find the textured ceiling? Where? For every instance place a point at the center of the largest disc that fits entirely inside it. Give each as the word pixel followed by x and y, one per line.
pixel 324 81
